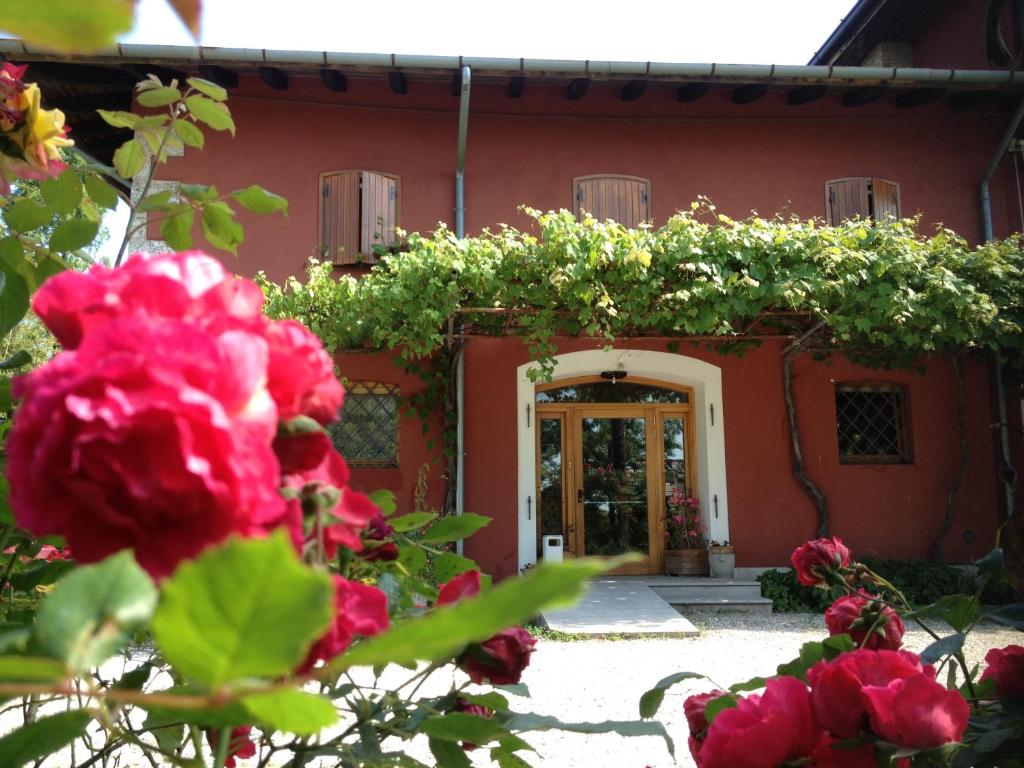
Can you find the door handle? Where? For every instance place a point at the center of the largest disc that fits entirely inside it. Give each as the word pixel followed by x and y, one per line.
pixel 579 496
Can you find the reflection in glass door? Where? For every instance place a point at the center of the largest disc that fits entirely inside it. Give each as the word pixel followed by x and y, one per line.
pixel 550 482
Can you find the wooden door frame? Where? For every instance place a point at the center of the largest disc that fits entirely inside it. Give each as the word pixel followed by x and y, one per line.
pixel 571 416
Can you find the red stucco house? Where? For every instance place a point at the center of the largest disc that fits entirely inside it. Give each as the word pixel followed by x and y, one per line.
pixel 901 112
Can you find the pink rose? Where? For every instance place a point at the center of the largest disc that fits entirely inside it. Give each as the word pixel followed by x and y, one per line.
pixel 763 731
pixel 827 755
pixel 815 562
pixel 153 435
pixel 302 452
pixel 464 585
pixel 241 746
pixel 869 622
pixel 472 709
pixel 1006 667
pixel 695 709
pixel 302 380
pixel 501 659
pixel 916 712
pixel 360 610
pixel 836 685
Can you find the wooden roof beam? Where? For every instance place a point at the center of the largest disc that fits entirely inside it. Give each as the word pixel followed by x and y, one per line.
pixel 577 88
pixel 222 76
pixel 398 84
pixel 805 94
pixel 80 73
pixel 90 102
pixel 917 97
pixel 633 90
pixel 973 100
pixel 333 80
pixel 746 94
pixel 166 74
pixel 691 92
pixel 516 85
pixel 274 77
pixel 858 97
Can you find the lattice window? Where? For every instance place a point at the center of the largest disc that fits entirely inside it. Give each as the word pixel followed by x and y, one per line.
pixel 366 432
pixel 872 424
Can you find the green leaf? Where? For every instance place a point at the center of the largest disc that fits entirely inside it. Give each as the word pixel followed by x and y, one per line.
pixel 959 611
pixel 455 527
pixel 944 646
pixel 13 299
pixel 93 611
pixel 158 97
pixel 158 201
pixel 449 565
pixel 444 631
pixel 17 360
pixel 41 573
pixel 119 119
pixel 448 754
pixel 100 192
pixel 462 726
pixel 226 716
pixel 220 228
pixel 247 608
pixel 198 192
pixel 26 215
pixel 412 521
pixel 491 699
pixel 176 229
pixel 810 654
pixel 529 722
pixel 41 738
pixel 650 701
pixel 292 711
pixel 135 679
pixel 68 27
pixel 385 500
pixel 753 684
pixel 258 200
pixel 63 193
pixel 1011 615
pixel 213 113
pixel 28 669
pixel 412 557
pixel 130 158
pixel 167 728
pixel 715 706
pixel 207 88
pixel 993 563
pixel 189 133
pixel 73 234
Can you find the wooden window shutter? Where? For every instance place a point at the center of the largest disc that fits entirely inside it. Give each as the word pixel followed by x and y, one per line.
pixel 625 199
pixel 358 210
pixel 885 199
pixel 846 198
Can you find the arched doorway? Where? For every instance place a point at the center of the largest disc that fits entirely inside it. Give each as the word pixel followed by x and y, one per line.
pixel 606 443
pixel 610 454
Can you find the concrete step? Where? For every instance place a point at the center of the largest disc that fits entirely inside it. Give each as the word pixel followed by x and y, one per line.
pixel 709 588
pixel 750 604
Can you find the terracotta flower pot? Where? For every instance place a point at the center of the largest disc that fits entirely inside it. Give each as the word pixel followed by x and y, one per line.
pixel 686 562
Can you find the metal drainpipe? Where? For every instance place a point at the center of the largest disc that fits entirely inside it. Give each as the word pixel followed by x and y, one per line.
pixel 460 231
pixel 1006 471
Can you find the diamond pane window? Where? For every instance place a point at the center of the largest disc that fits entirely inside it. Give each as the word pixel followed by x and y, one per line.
pixel 872 424
pixel 366 432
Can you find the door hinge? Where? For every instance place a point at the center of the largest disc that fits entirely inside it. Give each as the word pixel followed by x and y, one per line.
pixel 529 507
pixel 643 195
pixel 579 193
pixel 711 408
pixel 528 422
pixel 326 190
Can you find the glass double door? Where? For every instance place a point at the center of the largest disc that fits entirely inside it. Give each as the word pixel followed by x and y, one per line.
pixel 605 473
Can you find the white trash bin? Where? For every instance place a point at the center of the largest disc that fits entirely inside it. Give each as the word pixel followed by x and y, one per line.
pixel 551 548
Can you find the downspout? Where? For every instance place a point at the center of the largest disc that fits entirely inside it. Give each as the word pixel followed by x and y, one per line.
pixel 460 231
pixel 1006 471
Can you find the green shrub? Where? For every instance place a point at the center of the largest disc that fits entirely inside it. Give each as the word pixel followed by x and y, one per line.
pixel 790 596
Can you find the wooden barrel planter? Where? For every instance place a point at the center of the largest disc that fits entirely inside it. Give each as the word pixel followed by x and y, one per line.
pixel 686 562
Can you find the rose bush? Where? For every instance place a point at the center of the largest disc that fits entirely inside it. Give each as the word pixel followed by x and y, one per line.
pixel 855 699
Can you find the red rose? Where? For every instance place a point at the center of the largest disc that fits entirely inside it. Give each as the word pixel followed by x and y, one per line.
pixel 301 376
pixel 472 709
pixel 816 561
pixel 695 709
pixel 359 610
pixel 464 585
pixel 836 686
pixel 501 659
pixel 153 435
pixel 383 552
pixel 180 286
pixel 241 745
pixel 870 623
pixel 827 755
pixel 301 452
pixel 376 547
pixel 916 712
pixel 1006 667
pixel 763 731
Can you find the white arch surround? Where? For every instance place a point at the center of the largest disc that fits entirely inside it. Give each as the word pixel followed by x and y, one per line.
pixel 703 377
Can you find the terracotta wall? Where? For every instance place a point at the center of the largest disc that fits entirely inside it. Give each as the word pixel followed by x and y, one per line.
pixel 890 511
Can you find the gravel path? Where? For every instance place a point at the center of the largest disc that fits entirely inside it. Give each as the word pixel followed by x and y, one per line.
pixel 603 680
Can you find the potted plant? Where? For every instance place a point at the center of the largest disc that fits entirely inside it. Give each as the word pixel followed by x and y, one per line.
pixel 685 552
pixel 722 559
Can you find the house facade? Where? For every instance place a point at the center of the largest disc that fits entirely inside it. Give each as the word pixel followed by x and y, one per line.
pixel 899 113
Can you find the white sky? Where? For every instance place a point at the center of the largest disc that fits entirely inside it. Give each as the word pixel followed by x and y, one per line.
pixel 725 31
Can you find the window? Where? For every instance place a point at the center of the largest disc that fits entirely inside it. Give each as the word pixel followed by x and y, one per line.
pixel 358 211
pixel 871 421
pixel 625 199
pixel 366 432
pixel 864 197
